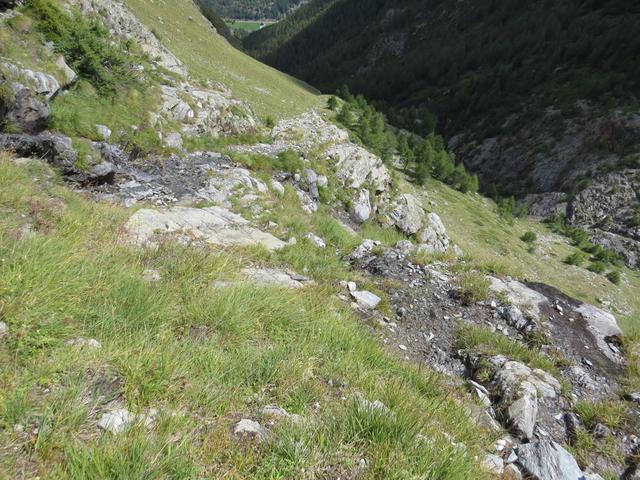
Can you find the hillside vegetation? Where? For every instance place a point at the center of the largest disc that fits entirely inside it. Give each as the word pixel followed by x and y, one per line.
pixel 208 270
pixel 469 62
pixel 189 36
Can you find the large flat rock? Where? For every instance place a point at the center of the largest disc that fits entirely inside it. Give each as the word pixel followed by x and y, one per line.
pixel 214 225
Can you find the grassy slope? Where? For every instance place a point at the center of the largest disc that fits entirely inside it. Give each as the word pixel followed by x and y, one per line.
pixel 209 355
pixel 472 223
pixel 209 56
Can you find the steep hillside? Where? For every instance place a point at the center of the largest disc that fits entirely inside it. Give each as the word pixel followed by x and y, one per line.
pixel 205 274
pixel 535 97
pixel 471 62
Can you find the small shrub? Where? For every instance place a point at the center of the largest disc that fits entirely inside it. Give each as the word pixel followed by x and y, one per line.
pixel 597 267
pixel 576 258
pixel 85 44
pixel 269 122
pixel 474 287
pixel 614 277
pixel 529 237
pixel 635 219
pixel 612 414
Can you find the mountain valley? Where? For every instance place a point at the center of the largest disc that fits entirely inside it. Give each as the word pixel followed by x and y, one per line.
pixel 209 269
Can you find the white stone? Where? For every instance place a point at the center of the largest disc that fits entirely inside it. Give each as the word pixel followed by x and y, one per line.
pixel 83 342
pixel 116 421
pixel 250 428
pixel 277 187
pixel 103 131
pixel 4 330
pixel 316 240
pixel 493 464
pixel 366 299
pixel 407 214
pixel 151 275
pixel 173 140
pixel 361 207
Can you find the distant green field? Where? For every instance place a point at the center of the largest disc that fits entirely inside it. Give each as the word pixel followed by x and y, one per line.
pixel 247 26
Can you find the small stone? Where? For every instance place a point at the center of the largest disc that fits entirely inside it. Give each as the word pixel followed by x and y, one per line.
pixel 3 330
pixel 365 299
pixel 494 464
pixel 322 181
pixel 249 428
pixel 274 411
pixel 104 132
pixel 402 347
pixel 511 472
pixel 277 187
pixel 116 421
pixel 352 286
pixel 82 342
pixel 316 240
pixel 151 275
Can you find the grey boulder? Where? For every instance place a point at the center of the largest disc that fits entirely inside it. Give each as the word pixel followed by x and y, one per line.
pixel 28 111
pixel 546 460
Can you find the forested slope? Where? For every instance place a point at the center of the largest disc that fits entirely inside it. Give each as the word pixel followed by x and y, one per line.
pixel 467 61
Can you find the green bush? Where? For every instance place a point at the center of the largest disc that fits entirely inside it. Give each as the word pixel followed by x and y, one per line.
pixel 614 277
pixel 85 44
pixel 576 258
pixel 474 287
pixel 529 237
pixel 597 267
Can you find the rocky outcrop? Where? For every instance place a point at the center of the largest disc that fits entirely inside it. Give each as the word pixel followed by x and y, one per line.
pixel 548 461
pixel 518 387
pixel 28 111
pixel 58 151
pixel 355 167
pixel 125 25
pixel 433 237
pixel 206 112
pixel 607 208
pixel 407 214
pixel 223 184
pixel 213 225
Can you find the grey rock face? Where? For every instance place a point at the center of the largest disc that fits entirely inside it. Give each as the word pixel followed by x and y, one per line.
pixel 41 83
pixel 362 207
pixel 407 214
pixel 29 111
pixel 215 225
pixel 519 388
pixel 58 151
pixel 124 24
pixel 433 238
pixel 602 326
pixel 546 460
pixel 173 140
